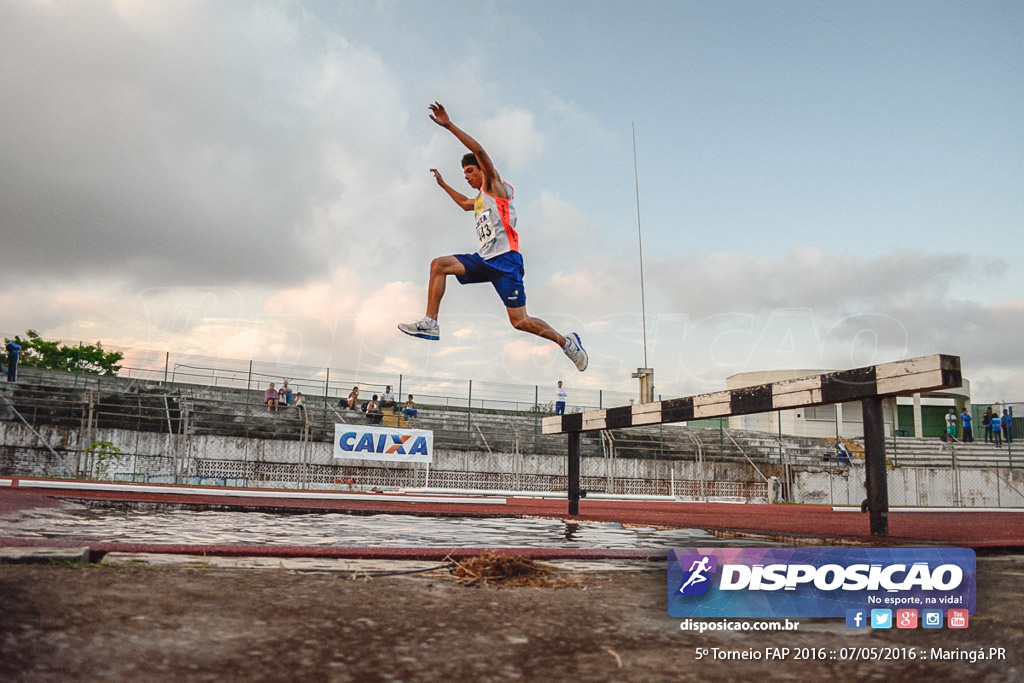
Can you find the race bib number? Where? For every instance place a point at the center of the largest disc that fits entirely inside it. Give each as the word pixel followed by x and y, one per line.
pixel 484 228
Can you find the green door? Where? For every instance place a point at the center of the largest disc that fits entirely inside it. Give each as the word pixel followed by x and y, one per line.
pixel 933 420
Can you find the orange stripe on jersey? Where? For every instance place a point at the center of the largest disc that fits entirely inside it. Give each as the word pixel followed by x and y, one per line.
pixel 506 219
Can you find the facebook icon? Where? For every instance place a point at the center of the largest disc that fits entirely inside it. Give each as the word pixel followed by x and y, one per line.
pixel 856 618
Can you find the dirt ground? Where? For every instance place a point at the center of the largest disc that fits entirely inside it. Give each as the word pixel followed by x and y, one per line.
pixel 176 622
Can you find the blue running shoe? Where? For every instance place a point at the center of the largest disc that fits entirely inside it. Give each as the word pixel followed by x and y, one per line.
pixel 574 350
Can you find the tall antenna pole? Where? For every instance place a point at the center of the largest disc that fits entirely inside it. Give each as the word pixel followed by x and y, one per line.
pixel 646 373
pixel 640 240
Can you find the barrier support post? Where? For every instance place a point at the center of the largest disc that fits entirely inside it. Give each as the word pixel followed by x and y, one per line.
pixel 574 473
pixel 874 465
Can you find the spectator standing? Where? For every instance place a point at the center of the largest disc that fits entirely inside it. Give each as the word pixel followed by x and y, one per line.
pixel 560 396
pixel 1007 424
pixel 409 409
pixel 271 398
pixel 951 424
pixel 13 351
pixel 965 423
pixel 986 421
pixel 997 432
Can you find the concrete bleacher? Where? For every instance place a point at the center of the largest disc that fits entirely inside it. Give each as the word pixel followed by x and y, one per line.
pixel 63 400
pixel 60 399
pixel 932 452
pixel 142 409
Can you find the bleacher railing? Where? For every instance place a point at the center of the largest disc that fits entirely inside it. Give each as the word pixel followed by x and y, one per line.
pixel 336 383
pixel 183 375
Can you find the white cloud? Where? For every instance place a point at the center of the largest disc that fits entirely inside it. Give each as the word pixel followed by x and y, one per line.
pixel 513 138
pixel 252 180
pixel 198 142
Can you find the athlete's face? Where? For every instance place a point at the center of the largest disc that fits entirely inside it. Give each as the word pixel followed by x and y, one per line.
pixel 474 176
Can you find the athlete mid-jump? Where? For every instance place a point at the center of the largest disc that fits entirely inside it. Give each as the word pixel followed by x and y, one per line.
pixel 497 260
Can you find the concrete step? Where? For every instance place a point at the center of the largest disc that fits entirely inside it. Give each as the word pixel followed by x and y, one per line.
pixel 233 412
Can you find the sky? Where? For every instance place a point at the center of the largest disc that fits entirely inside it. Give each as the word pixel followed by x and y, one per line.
pixel 812 185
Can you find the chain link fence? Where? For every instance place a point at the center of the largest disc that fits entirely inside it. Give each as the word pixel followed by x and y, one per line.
pixel 141 429
pixel 148 423
pixel 334 384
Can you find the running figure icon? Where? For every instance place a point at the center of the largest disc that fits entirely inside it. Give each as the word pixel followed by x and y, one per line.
pixel 697 569
pixel 497 259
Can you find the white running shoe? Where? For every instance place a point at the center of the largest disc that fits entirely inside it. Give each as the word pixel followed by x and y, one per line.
pixel 422 328
pixel 574 350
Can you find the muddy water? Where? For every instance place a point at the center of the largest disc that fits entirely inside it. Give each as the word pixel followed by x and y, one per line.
pixel 78 522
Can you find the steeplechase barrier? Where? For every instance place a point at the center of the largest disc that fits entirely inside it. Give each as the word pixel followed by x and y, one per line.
pixel 869 385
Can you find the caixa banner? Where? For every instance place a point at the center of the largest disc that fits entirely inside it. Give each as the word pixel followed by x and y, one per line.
pixel 817 582
pixel 360 442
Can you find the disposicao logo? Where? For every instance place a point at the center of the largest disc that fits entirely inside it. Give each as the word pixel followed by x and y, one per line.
pixel 818 582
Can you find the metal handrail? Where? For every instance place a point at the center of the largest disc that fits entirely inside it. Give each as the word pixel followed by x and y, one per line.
pixel 31 428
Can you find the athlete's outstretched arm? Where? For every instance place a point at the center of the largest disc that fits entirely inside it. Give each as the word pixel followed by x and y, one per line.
pixel 462 200
pixel 493 181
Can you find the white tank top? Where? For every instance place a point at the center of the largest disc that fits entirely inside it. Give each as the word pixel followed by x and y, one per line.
pixel 495 224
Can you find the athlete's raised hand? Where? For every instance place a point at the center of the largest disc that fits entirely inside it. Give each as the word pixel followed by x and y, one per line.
pixel 464 202
pixel 439 116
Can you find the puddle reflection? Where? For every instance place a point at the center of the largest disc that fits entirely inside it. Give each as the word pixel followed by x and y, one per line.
pixel 337 529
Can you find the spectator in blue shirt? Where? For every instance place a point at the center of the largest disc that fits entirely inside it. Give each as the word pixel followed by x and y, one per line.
pixel 13 350
pixel 1007 424
pixel 965 423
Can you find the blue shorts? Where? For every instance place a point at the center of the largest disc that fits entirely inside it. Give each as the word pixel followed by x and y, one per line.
pixel 504 271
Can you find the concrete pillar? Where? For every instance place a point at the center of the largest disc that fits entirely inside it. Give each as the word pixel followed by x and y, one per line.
pixel 918 423
pixel 646 377
pixel 892 410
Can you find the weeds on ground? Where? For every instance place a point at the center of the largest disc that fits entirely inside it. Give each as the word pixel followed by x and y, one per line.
pixel 508 571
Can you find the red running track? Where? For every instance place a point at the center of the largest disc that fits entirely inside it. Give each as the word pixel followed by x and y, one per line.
pixel 796 524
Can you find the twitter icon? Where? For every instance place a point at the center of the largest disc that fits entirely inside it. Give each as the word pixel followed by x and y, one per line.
pixel 881 618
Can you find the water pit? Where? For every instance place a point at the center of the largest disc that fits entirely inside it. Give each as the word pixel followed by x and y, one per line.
pixel 172 526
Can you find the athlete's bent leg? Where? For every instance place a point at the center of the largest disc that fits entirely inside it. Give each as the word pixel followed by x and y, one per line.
pixel 440 269
pixel 570 344
pixel 522 321
pixel 428 327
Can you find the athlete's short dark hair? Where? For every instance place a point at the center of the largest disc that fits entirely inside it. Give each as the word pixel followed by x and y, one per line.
pixel 470 160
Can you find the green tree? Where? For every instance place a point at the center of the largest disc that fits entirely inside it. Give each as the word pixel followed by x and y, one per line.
pixel 92 359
